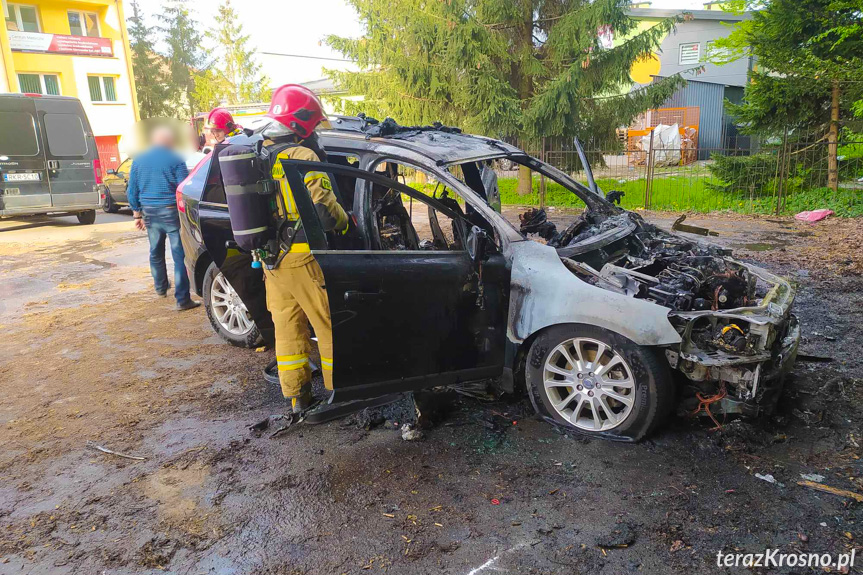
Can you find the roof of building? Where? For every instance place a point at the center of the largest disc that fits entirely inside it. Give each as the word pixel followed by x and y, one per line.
pixel 696 14
pixel 323 86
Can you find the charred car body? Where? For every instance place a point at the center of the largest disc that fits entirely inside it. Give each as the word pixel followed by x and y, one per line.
pixel 607 324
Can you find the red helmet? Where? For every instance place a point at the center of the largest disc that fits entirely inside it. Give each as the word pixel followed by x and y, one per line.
pixel 220 119
pixel 297 108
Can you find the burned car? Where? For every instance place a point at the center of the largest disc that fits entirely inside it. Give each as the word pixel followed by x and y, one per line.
pixel 607 324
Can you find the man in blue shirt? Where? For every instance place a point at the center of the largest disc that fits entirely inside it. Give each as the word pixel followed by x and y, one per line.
pixel 152 189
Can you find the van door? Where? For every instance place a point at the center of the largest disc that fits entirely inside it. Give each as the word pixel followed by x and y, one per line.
pixel 69 151
pixel 24 183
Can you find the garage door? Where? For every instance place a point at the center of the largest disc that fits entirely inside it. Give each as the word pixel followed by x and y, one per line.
pixel 109 153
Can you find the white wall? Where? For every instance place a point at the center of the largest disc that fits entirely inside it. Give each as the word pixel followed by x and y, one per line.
pixel 106 119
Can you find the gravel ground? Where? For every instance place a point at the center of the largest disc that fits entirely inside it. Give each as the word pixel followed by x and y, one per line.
pixel 91 355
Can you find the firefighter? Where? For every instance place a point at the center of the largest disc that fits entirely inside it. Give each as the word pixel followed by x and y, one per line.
pixel 220 125
pixel 296 294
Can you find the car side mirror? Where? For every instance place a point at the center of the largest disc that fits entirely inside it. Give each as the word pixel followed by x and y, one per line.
pixel 477 245
pixel 112 172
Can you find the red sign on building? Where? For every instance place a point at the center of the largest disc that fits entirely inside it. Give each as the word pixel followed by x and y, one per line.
pixel 60 44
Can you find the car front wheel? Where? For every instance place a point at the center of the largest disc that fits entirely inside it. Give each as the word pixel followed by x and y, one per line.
pixel 598 383
pixel 109 207
pixel 86 218
pixel 227 312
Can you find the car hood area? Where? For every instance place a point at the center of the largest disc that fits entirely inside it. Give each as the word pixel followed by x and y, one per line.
pixel 733 319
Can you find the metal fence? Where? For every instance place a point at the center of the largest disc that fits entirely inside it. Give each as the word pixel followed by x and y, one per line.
pixel 783 178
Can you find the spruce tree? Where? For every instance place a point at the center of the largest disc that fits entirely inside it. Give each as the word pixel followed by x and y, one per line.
pixel 185 56
pixel 236 73
pixel 517 69
pixel 150 79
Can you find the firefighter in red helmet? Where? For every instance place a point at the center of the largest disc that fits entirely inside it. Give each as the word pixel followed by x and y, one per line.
pixel 296 295
pixel 219 126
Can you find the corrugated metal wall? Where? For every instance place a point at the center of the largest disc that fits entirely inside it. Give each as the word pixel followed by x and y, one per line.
pixel 710 98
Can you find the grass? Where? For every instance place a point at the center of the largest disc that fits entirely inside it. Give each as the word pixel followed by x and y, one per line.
pixel 677 193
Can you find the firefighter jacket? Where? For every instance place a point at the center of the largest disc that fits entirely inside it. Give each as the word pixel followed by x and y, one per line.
pixel 331 215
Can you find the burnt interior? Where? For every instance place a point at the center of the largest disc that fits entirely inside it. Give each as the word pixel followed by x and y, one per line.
pixel 648 263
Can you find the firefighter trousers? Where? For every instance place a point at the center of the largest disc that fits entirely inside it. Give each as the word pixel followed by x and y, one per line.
pixel 297 296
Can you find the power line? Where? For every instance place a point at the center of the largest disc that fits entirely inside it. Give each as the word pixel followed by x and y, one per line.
pixel 306 57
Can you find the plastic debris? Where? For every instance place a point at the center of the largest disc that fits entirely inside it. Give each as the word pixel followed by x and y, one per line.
pixel 813 215
pixel 769 479
pixel 817 477
pixel 495 501
pixel 411 433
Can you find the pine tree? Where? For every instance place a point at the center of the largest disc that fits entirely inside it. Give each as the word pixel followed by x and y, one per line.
pixel 517 69
pixel 185 56
pixel 235 77
pixel 150 79
pixel 810 69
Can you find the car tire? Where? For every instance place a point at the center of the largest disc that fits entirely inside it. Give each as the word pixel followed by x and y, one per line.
pixel 109 207
pixel 623 395
pixel 226 312
pixel 86 218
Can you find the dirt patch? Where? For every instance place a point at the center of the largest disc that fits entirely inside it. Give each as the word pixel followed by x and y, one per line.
pixel 489 488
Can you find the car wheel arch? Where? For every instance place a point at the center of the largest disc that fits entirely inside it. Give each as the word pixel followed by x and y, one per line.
pixel 201 266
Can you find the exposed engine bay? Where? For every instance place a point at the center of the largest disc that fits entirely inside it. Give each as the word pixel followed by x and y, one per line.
pixel 734 319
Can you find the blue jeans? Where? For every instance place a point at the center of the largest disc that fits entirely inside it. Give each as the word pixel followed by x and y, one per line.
pixel 164 222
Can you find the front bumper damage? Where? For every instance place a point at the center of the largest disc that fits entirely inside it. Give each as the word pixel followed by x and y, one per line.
pixel 746 374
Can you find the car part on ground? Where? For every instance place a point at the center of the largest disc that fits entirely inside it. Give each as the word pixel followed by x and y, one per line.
pixel 227 312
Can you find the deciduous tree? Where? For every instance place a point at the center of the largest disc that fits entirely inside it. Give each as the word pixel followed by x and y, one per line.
pixel 809 74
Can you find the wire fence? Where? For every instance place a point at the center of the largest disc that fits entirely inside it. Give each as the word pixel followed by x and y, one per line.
pixel 785 177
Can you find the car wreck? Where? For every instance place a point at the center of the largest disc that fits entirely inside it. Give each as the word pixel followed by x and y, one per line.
pixel 607 324
pixel 738 337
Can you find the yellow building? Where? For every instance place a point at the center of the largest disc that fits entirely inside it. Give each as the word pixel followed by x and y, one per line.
pixel 73 48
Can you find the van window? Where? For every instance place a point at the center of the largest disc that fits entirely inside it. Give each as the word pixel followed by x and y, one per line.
pixel 65 135
pixel 18 136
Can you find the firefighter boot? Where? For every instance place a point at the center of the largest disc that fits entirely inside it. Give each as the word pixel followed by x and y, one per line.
pixel 303 401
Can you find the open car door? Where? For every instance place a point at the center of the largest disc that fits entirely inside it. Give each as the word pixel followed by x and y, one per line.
pixel 406 318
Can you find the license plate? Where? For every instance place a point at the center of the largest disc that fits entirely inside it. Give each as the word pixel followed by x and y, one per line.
pixel 28 177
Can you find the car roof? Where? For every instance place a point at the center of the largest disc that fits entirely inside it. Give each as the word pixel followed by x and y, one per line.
pixel 442 144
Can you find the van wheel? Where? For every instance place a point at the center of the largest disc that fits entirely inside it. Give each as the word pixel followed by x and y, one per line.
pixel 109 207
pixel 226 311
pixel 86 218
pixel 598 383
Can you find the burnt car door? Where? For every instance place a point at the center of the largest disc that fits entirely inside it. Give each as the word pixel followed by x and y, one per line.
pixel 406 318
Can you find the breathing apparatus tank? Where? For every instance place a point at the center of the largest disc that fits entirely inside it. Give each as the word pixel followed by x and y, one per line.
pixel 250 192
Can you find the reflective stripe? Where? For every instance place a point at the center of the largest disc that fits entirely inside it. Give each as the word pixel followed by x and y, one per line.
pixel 326 363
pixel 312 176
pixel 299 248
pixel 251 231
pixel 292 362
pixel 237 157
pixel 237 190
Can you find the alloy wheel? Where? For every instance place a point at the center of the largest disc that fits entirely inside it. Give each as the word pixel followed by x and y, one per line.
pixel 228 308
pixel 589 384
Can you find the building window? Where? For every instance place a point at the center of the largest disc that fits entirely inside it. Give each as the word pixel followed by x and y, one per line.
pixel 713 51
pixel 21 18
pixel 39 84
pixel 83 23
pixel 689 54
pixel 102 88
